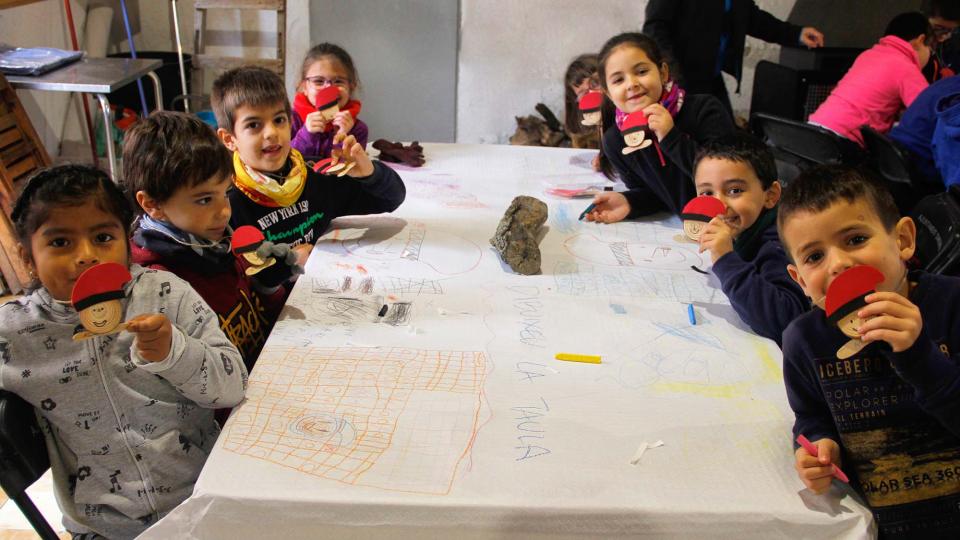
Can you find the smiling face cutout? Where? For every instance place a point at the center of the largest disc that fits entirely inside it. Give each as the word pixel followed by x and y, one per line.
pixel 698 212
pixel 97 296
pixel 102 318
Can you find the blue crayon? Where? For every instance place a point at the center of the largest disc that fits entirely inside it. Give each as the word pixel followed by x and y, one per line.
pixel 690 315
pixel 586 211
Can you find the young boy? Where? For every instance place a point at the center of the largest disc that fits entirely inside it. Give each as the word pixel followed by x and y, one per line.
pixel 275 190
pixel 178 173
pixel 892 410
pixel 747 255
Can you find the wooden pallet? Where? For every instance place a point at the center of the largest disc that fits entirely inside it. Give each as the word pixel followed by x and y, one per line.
pixel 218 64
pixel 21 153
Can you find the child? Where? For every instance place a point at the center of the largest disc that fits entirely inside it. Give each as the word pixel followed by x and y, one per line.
pixel 128 417
pixel 892 410
pixel 581 77
pixel 178 173
pixel 635 77
pixel 326 64
pixel 883 80
pixel 747 254
pixel 275 190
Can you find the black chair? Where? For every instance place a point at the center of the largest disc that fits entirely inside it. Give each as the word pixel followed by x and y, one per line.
pixel 23 458
pixel 799 146
pixel 892 163
pixel 938 232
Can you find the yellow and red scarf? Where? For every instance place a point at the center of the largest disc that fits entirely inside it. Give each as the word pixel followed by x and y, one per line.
pixel 266 191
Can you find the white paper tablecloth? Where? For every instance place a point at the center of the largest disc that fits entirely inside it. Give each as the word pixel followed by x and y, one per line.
pixel 449 417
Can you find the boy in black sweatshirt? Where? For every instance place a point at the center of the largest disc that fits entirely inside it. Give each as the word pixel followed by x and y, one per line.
pixel 889 414
pixel 275 190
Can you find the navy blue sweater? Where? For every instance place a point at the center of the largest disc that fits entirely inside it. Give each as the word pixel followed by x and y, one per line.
pixel 895 415
pixel 760 289
pixel 652 187
pixel 324 198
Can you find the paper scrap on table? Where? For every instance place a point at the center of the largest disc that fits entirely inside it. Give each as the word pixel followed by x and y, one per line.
pixel 643 448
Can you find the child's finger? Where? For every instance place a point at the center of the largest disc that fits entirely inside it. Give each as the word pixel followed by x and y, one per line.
pixel 145 323
pixel 887 322
pixel 888 307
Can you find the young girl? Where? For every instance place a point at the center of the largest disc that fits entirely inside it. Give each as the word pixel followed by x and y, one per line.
pixel 635 77
pixel 326 64
pixel 581 77
pixel 128 417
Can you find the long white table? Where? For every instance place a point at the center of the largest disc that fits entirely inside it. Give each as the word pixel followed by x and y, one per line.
pixel 448 416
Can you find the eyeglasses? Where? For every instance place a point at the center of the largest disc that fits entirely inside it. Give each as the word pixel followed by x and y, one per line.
pixel 320 82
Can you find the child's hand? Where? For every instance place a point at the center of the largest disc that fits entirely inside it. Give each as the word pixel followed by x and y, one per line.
pixel 717 237
pixel 659 120
pixel 315 122
pixel 154 336
pixel 609 207
pixel 285 269
pixel 891 318
pixel 354 151
pixel 344 120
pixel 817 472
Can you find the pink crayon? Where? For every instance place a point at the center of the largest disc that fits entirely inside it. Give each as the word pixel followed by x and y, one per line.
pixel 812 450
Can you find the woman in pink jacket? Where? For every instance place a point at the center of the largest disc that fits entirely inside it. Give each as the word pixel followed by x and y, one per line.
pixel 882 82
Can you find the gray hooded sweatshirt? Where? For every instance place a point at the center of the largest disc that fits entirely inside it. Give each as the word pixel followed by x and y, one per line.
pixel 126 437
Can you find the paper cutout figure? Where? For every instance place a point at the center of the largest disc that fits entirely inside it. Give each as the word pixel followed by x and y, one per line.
pixel 845 296
pixel 589 106
pixel 698 212
pixel 636 132
pixel 246 239
pixel 328 102
pixel 96 296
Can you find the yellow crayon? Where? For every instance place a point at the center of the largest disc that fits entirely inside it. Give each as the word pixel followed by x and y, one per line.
pixel 588 358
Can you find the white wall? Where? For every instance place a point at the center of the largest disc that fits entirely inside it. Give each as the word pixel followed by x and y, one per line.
pixel 512 54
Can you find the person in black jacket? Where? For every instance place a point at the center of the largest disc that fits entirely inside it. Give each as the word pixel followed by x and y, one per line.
pixel 703 38
pixel 636 79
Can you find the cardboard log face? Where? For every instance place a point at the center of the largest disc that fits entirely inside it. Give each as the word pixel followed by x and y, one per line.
pixel 97 296
pixel 591 118
pixel 102 318
pixel 328 99
pixel 845 297
pixel 698 212
pixel 693 229
pixel 246 240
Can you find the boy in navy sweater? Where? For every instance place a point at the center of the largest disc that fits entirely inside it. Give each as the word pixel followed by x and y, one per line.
pixel 890 412
pixel 275 190
pixel 747 254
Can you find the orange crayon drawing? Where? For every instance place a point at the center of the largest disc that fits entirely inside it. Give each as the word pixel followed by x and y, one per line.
pixel 390 418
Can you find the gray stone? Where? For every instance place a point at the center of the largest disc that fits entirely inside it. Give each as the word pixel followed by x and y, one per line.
pixel 518 234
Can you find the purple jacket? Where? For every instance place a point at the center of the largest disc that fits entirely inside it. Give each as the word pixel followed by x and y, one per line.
pixel 318 145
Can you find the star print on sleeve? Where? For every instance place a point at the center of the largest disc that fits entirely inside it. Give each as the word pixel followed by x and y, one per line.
pixel 25 373
pixel 50 343
pixel 48 404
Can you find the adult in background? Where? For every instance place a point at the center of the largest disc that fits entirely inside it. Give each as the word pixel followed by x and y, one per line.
pixel 944 17
pixel 706 37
